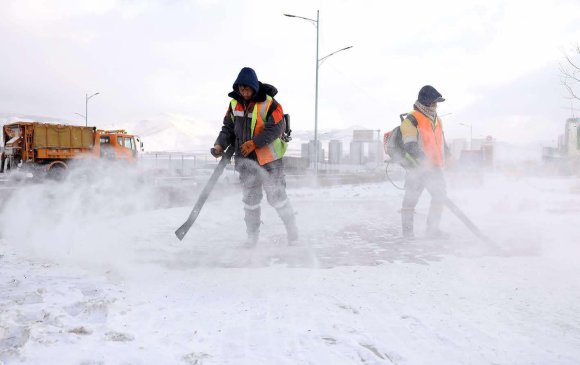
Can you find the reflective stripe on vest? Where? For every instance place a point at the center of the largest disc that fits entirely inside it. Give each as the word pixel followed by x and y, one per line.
pixel 430 138
pixel 272 151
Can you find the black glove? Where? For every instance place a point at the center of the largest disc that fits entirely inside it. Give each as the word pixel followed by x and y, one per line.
pixel 216 151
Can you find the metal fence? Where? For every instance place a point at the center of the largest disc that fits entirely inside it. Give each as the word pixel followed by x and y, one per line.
pixel 194 163
pixel 177 163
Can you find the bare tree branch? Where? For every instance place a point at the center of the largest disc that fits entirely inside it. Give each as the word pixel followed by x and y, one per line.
pixel 571 92
pixel 574 66
pixel 570 74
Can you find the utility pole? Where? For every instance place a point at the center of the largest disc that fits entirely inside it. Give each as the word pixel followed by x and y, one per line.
pixel 470 133
pixel 87 98
pixel 318 63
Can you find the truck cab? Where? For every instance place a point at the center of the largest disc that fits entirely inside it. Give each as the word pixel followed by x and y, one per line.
pixel 118 145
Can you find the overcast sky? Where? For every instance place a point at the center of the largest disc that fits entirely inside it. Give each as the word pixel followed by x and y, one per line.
pixel 495 61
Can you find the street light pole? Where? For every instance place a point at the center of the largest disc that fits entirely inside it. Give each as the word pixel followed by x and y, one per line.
pixel 316 149
pixel 470 133
pixel 87 98
pixel 318 62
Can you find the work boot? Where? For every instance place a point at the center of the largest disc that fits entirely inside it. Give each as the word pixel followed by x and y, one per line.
pixel 407 218
pixel 252 219
pixel 287 215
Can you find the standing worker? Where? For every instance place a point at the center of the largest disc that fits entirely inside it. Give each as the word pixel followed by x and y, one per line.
pixel 424 143
pixel 254 125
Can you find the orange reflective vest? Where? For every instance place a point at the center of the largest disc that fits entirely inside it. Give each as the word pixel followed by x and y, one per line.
pixel 276 149
pixel 430 138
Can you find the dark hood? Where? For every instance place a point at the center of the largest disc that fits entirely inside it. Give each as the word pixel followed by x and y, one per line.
pixel 248 77
pixel 263 90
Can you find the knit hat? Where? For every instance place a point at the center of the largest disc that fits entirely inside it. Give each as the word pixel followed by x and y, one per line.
pixel 247 77
pixel 428 95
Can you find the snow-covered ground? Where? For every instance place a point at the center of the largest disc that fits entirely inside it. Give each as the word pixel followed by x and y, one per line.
pixel 91 273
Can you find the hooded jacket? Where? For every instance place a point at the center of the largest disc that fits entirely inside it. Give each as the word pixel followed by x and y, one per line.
pixel 237 129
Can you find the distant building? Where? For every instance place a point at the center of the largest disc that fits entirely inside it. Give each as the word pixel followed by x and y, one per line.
pixel 366 146
pixel 335 152
pixel 477 143
pixel 305 151
pixel 456 146
pixel 571 139
pixel 376 151
pixel 308 151
pixel 357 153
pixel 480 154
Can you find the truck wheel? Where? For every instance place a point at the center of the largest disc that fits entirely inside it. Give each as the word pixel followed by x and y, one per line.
pixel 10 164
pixel 56 171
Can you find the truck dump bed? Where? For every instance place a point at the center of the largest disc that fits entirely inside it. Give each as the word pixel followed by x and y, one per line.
pixel 32 141
pixel 62 136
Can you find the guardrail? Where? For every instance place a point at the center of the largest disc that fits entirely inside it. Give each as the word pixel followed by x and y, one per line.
pixel 186 164
pixel 177 163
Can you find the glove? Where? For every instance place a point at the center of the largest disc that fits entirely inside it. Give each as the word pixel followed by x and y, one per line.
pixel 217 151
pixel 248 147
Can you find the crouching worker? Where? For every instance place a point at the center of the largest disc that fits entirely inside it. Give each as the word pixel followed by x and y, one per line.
pixel 254 124
pixel 424 144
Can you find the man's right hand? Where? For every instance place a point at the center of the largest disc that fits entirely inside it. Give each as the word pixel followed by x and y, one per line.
pixel 217 151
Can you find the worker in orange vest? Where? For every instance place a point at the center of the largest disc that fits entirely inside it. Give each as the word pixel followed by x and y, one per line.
pixel 424 144
pixel 254 124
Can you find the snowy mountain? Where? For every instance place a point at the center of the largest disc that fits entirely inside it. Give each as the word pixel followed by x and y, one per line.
pixel 172 132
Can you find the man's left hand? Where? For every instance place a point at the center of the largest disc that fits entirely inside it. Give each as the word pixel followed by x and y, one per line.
pixel 248 147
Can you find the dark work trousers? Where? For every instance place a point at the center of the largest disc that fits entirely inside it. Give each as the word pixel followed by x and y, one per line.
pixel 416 181
pixel 270 178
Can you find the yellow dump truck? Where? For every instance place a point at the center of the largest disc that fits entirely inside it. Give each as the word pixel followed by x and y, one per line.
pixel 48 148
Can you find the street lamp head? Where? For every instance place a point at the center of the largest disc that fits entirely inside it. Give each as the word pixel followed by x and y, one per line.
pixel 88 97
pixel 333 53
pixel 301 17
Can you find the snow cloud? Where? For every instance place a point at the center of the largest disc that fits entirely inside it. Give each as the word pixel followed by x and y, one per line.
pixel 77 220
